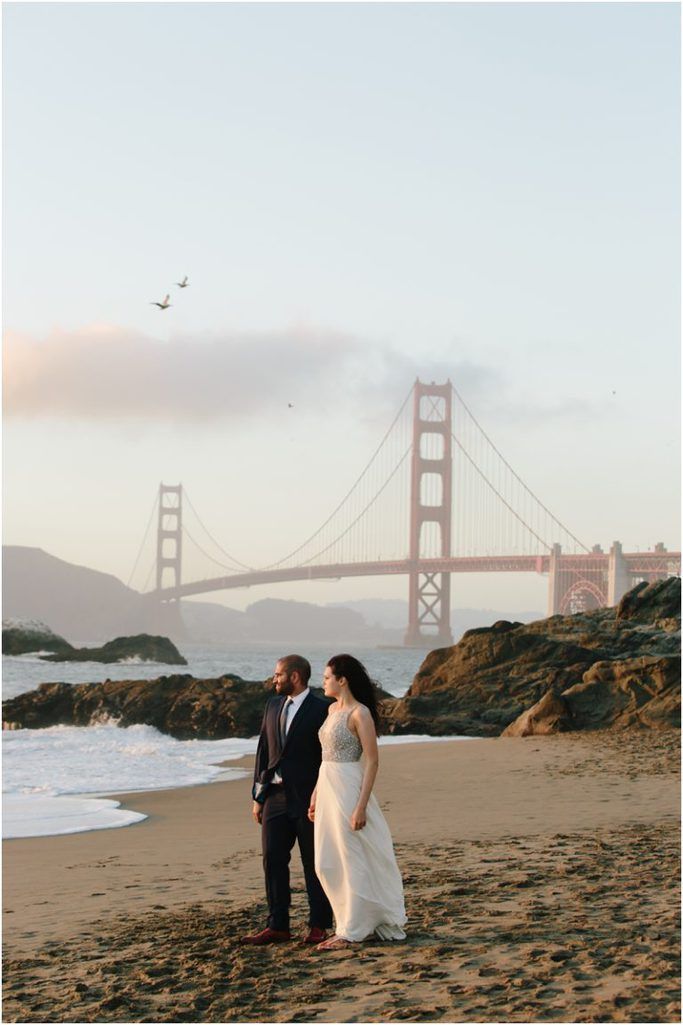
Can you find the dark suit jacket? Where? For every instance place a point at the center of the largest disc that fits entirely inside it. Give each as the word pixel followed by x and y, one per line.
pixel 298 761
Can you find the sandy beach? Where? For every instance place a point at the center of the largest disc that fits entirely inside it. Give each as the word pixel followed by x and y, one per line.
pixel 541 879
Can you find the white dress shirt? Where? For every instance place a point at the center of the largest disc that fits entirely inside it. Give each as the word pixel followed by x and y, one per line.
pixel 296 703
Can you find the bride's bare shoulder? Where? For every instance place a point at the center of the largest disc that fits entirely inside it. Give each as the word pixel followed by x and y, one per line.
pixel 361 713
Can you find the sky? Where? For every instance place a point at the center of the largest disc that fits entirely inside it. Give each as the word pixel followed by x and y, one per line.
pixel 360 194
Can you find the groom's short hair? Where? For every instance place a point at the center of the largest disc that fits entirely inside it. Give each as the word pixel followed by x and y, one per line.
pixel 298 663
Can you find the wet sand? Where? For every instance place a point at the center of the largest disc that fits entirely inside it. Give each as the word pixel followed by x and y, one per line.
pixel 541 879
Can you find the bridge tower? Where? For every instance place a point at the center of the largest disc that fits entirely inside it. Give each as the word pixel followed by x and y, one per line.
pixel 169 534
pixel 429 597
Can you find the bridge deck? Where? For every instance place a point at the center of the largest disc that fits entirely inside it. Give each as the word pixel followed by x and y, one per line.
pixel 645 563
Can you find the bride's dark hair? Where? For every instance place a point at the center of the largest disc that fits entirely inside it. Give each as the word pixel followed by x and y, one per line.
pixel 360 684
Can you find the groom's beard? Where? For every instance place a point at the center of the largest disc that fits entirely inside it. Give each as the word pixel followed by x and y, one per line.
pixel 286 687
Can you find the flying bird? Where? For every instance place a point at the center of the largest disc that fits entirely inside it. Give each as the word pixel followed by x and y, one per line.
pixel 164 305
pixel 290 405
pixel 184 283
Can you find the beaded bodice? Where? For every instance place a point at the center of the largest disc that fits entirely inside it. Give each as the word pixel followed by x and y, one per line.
pixel 339 744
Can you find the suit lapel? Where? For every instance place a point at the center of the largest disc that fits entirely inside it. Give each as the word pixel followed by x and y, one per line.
pixel 276 713
pixel 298 718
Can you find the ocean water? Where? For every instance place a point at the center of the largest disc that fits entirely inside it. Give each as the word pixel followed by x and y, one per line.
pixel 53 780
pixel 393 668
pixel 57 780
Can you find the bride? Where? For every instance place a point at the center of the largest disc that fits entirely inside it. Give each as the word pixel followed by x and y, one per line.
pixel 354 855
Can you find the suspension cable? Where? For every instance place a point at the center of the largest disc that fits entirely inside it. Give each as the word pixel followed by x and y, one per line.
pixel 144 539
pixel 514 474
pixel 236 562
pixel 503 500
pixel 363 511
pixel 151 570
pixel 205 553
pixel 296 551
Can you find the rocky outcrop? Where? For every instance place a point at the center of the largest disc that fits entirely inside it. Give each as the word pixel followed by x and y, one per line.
pixel 179 705
pixel 483 683
pixel 612 667
pixel 21 637
pixel 549 715
pixel 658 603
pixel 142 647
pixel 643 691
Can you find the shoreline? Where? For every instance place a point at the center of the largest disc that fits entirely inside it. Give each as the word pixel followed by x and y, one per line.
pixel 514 851
pixel 78 806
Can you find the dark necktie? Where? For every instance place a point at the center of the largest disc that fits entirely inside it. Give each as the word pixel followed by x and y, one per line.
pixel 282 723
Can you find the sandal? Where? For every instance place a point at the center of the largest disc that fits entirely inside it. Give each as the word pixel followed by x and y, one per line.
pixel 335 943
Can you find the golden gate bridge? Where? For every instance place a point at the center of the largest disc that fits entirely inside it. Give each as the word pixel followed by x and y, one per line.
pixel 400 517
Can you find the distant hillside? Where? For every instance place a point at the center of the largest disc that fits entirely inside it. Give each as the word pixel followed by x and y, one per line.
pixel 392 614
pixel 276 620
pixel 85 605
pixel 298 622
pixel 79 603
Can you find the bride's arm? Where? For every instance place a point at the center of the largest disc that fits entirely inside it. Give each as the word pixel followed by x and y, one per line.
pixel 365 728
pixel 311 805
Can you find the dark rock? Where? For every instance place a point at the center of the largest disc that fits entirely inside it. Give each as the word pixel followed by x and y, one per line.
pixel 649 603
pixel 483 683
pixel 21 638
pixel 142 646
pixel 179 705
pixel 641 691
pixel 610 667
pixel 587 671
pixel 549 715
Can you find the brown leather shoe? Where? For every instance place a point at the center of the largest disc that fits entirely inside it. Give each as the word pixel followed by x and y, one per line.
pixel 267 935
pixel 315 935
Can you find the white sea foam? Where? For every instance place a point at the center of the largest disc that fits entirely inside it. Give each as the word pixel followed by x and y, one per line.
pixel 51 776
pixel 49 816
pixel 80 762
pixel 41 766
pixel 136 660
pixel 417 738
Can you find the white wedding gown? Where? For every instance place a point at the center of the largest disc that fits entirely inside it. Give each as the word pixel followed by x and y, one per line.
pixel 357 868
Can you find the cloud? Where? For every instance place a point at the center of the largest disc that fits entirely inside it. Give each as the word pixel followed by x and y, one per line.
pixel 109 374
pixel 526 412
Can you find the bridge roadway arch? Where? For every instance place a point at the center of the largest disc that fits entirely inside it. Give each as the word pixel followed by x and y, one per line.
pixel 333 571
pixel 637 565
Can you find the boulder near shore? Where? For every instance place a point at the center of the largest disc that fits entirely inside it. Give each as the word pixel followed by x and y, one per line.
pixel 22 638
pixel 179 705
pixel 608 668
pixel 143 647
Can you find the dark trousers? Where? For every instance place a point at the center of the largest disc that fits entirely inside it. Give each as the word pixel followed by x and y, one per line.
pixel 279 832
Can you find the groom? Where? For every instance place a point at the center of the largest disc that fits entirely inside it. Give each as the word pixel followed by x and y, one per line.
pixel 286 771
